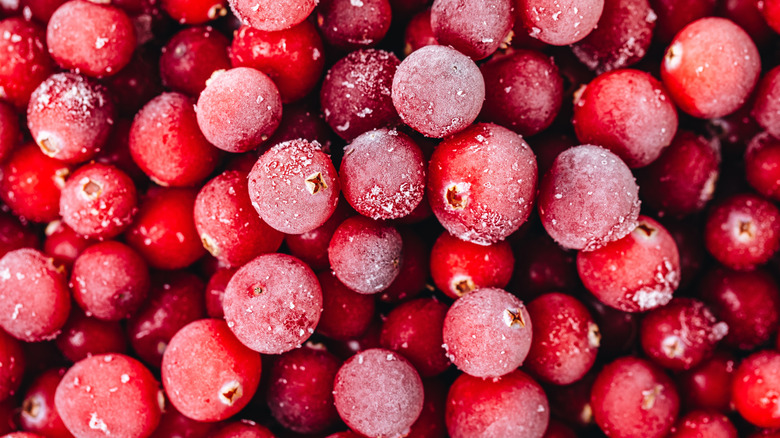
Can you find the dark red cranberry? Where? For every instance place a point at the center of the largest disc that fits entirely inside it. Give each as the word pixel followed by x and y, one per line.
pixel 300 120
pixel 12 365
pixel 39 415
pixel 24 60
pixel 619 330
pixel 770 10
pixel 351 25
pixel 175 300
pixel 83 336
pixel 413 277
pixel 418 32
pixel 136 84
pixel 476 29
pixel 346 314
pixel 116 152
pixel 571 403
pixel 745 13
pixel 243 429
pixel 708 385
pixel 174 424
pixel 10 131
pixel 703 424
pixel 215 290
pixel 762 165
pixel 556 24
pixel 431 422
pixel 548 268
pixel 63 244
pixel 754 391
pixel 674 15
pixel 312 246
pixel 15 235
pixel 272 15
pixel 413 329
pixel 690 245
pixel 369 339
pixel 194 11
pixel 191 57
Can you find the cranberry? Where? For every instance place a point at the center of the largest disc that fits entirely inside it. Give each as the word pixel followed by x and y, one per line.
pixel 136 84
pixel 746 14
pixel 24 62
pixel 559 24
pixel 350 25
pixel 175 424
pixel 13 361
pixel 83 336
pixel 194 11
pixel 346 314
pixel 571 403
pixel 243 429
pixel 15 235
pixel 413 276
pixel 708 385
pixel 419 33
pixel 116 152
pixel 703 423
pixel 312 246
pixel 414 329
pixel 754 391
pixel 762 165
pixel 272 15
pixel 192 56
pixel 674 15
pixel 10 131
pixel 300 120
pixel 476 29
pixel 215 290
pixel 770 10
pixel 39 415
pixel 619 330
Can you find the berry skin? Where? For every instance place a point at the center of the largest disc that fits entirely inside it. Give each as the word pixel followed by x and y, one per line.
pixel 754 391
pixel 25 60
pixel 39 415
pixel 12 369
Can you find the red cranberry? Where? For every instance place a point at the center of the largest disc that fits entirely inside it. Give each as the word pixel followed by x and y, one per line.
pixel 709 83
pixel 194 11
pixel 350 25
pixel 548 268
pixel 10 131
pixel 414 329
pixel 12 360
pixel 174 424
pixel 419 33
pixel 633 398
pixel 703 424
pixel 431 422
pixel 272 15
pixel 243 429
pixel 346 314
pixel 559 24
pixel 619 330
pixel 99 49
pixel 32 317
pixel 743 231
pixel 136 84
pixel 192 56
pixel 459 267
pixel 83 336
pixel 754 391
pixel 708 385
pixel 39 415
pixel 514 405
pixel 413 276
pixel 762 165
pixel 770 10
pixel 571 403
pixel 24 60
pixel 312 246
pixel 15 235
pixel 674 15
pixel 116 152
pixel 378 393
pixel 300 120
pixel 97 393
pixel 745 13
pixel 293 58
pixel 217 385
pixel 215 290
pixel 476 29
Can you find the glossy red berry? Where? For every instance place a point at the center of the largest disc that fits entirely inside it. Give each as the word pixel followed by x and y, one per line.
pixel 346 314
pixel 349 25
pixel 414 329
pixel 754 391
pixel 39 415
pixel 708 385
pixel 762 165
pixel 703 424
pixel 25 60
pixel 194 11
pixel 83 336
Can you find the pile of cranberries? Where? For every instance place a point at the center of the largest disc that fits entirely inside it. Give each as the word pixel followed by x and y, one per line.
pixel 389 218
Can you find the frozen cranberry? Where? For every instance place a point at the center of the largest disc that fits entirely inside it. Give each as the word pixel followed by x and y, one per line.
pixel 174 424
pixel 709 83
pixel 192 56
pixel 351 24
pixel 633 398
pixel 514 405
pixel 312 246
pixel 175 300
pixel 703 424
pixel 70 116
pixel 39 414
pixel 708 385
pixel 215 290
pixel 96 394
pixel 383 174
pixel 15 235
pixel 639 272
pixel 23 435
pixel 273 303
pixel 136 84
pixel 98 201
pixel 418 32
pixel 755 389
pixel 10 132
pixel 548 268
pixel 164 230
pixel 194 11
pixel 365 254
pixel 565 340
pixel 300 392
pixel 748 302
pixel 743 231
pixel 356 93
pixel 294 187
pixel 94 39
pixel 475 29
pixel 413 329
pixel 515 97
pixel 682 180
pixel 272 15
pixel 63 244
pixel 487 333
pixel 482 183
pixel 346 314
pixel 293 58
pixel 38 316
pixel 24 60
pixel 459 267
pixel 438 91
pixel 588 198
pixel 413 276
pixel 674 15
pixel 681 334
pixel 559 23
pixel 83 336
pixel 243 429
pixel 228 224
pixel 378 393
pixel 166 142
pixel 628 112
pixel 762 165
pixel 217 385
pixel 12 365
pixel 238 109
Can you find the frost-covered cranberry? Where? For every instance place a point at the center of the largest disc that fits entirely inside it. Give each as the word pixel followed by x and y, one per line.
pixel 459 267
pixel 631 397
pixel 681 334
pixel 514 405
pixel 70 116
pixel 565 340
pixel 628 112
pixel 414 329
pixel 98 201
pixel 97 393
pixel 95 39
pixel 559 23
pixel 762 165
pixel 711 67
pixel 39 415
pixel 164 232
pixel 272 15
pixel 755 389
pixel 350 24
pixel 194 11
pixel 438 91
pixel 228 224
pixel 356 93
pixel 482 183
pixel 475 29
pixel 220 382
pixel 83 336
pixel 346 314
pixel 639 272
pixel 300 392
pixel 765 108
pixel 588 198
pixel 192 56
pixel 294 187
pixel 167 144
pixel 703 424
pixel 293 58
pixel 743 231
pixel 708 385
pixel 24 60
pixel 238 109
pixel 365 254
pixel 12 365
pixel 487 333
pixel 378 393
pixel 383 174
pixel 273 303
pixel 515 97
pixel 38 316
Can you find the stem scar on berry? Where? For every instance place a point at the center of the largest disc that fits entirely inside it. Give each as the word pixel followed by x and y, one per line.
pixel 514 318
pixel 230 392
pixel 456 197
pixel 315 183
